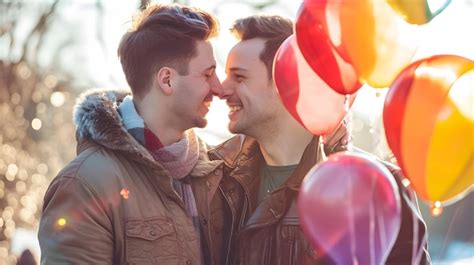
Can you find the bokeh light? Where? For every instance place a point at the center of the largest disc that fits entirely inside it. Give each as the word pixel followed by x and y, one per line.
pixel 406 182
pixel 57 99
pixel 436 211
pixel 61 222
pixel 124 193
pixel 36 124
pixel 50 81
pixel 42 169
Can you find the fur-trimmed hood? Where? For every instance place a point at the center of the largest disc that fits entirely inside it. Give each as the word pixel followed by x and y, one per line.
pixel 97 120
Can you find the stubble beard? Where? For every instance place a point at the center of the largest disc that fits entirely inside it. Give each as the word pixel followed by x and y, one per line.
pixel 201 122
pixel 254 128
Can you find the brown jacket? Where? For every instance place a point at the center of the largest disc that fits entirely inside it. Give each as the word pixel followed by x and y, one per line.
pixel 269 233
pixel 113 204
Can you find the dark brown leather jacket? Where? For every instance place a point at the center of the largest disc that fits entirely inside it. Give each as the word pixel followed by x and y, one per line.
pixel 269 233
pixel 113 204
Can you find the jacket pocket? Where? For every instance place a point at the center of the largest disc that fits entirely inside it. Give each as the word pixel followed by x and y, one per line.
pixel 151 241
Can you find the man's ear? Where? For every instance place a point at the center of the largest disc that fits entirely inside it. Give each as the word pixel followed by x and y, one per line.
pixel 163 79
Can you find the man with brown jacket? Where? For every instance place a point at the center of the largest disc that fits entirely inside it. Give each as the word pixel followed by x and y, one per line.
pixel 142 189
pixel 271 160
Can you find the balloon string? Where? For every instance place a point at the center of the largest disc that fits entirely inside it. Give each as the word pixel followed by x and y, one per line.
pixel 372 226
pixel 321 148
pixel 383 237
pixel 415 247
pixel 351 216
pixel 421 251
pixel 449 235
pixel 348 122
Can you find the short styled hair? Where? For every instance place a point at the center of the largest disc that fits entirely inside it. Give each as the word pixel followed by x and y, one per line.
pixel 274 29
pixel 162 35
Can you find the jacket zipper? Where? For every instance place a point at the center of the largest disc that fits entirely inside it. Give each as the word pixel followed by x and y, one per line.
pixel 231 228
pixel 209 228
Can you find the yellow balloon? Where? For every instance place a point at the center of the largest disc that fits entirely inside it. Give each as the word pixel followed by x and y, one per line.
pixel 415 11
pixel 450 162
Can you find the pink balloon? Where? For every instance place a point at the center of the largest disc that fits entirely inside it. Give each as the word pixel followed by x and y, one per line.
pixel 350 209
pixel 306 96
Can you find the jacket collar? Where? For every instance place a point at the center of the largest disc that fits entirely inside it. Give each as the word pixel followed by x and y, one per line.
pixel 242 154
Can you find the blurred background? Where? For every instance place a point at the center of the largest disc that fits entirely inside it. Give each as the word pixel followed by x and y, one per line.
pixel 50 51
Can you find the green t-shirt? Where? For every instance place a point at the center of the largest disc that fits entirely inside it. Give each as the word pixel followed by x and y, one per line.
pixel 271 178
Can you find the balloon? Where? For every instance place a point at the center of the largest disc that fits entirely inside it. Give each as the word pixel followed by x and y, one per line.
pixel 313 40
pixel 367 34
pixel 396 109
pixel 416 11
pixel 429 126
pixel 378 41
pixel 308 98
pixel 349 208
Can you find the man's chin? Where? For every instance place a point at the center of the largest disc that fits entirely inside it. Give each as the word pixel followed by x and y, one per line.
pixel 235 128
pixel 200 123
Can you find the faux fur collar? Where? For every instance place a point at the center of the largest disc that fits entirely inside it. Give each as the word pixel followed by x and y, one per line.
pixel 97 119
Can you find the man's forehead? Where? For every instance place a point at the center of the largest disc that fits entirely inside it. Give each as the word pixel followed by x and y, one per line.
pixel 249 48
pixel 244 54
pixel 205 57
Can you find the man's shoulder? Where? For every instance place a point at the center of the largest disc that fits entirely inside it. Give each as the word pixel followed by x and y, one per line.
pixel 92 166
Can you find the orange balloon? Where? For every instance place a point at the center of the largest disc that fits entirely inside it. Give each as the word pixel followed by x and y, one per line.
pixel 378 41
pixel 419 122
pixel 435 137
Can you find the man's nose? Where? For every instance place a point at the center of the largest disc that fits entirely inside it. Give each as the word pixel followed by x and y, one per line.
pixel 216 87
pixel 227 90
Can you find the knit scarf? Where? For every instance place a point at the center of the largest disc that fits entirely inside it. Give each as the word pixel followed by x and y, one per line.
pixel 178 158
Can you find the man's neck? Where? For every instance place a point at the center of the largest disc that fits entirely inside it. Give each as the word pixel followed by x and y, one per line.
pixel 285 146
pixel 157 122
pixel 166 135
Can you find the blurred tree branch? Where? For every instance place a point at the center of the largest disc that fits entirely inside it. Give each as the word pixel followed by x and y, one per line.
pixel 39 30
pixel 143 4
pixel 35 110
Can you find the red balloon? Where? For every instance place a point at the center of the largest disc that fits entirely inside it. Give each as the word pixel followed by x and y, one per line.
pixel 328 61
pixel 394 109
pixel 308 98
pixel 349 208
pixel 351 41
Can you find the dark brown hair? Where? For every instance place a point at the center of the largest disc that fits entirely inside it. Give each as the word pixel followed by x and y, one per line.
pixel 162 35
pixel 274 29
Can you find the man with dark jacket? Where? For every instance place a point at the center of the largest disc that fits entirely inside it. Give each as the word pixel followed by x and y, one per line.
pixel 142 189
pixel 271 160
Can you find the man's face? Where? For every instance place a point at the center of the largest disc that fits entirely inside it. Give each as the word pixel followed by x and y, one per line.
pixel 250 93
pixel 194 91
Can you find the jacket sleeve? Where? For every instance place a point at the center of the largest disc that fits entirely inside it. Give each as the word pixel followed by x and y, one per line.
pixel 411 245
pixel 74 227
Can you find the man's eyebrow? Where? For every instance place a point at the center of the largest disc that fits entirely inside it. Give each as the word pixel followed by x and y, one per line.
pixel 235 69
pixel 210 67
